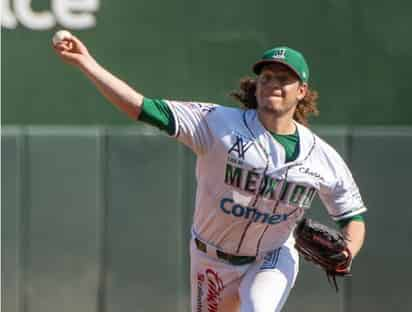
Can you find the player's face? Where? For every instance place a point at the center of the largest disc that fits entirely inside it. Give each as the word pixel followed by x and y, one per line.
pixel 278 90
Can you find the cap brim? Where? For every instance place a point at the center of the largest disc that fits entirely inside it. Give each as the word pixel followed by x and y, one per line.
pixel 257 68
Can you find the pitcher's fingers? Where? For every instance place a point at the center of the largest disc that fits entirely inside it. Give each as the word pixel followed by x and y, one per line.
pixel 61 46
pixel 78 44
pixel 57 49
pixel 76 41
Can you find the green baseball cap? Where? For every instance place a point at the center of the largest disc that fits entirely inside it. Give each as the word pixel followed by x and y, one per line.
pixel 287 56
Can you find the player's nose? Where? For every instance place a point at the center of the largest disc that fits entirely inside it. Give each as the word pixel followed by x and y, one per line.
pixel 274 83
pixel 275 86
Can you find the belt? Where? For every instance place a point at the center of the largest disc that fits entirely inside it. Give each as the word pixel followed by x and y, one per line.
pixel 232 259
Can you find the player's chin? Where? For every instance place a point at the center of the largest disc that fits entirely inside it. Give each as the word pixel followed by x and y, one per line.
pixel 274 100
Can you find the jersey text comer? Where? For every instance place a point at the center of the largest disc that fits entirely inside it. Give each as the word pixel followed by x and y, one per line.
pixel 228 206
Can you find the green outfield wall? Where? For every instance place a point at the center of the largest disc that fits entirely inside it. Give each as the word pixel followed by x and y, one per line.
pixel 97 219
pixel 358 54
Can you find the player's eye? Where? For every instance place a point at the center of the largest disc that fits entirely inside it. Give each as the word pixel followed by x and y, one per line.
pixel 279 78
pixel 283 79
pixel 264 79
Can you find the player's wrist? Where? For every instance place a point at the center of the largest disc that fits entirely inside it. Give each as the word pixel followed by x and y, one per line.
pixel 353 250
pixel 88 64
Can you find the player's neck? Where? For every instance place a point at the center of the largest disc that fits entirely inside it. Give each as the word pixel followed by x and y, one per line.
pixel 277 124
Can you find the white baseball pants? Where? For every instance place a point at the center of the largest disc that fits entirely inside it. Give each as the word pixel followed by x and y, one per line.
pixel 261 286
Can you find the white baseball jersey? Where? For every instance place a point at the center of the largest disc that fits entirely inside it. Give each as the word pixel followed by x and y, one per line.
pixel 248 198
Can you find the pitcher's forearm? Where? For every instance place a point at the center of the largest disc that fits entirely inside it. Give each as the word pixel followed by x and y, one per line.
pixel 355 233
pixel 114 89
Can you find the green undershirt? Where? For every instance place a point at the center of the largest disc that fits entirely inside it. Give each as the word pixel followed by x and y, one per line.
pixel 290 143
pixel 157 113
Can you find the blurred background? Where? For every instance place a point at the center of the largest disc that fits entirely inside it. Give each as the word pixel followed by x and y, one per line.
pixel 84 228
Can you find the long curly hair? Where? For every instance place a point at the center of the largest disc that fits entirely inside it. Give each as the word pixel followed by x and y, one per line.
pixel 306 107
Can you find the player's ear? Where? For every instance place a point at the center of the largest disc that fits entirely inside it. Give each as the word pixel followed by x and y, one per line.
pixel 302 90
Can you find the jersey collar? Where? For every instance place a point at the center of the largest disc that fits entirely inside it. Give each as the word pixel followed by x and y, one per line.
pixel 307 139
pixel 307 142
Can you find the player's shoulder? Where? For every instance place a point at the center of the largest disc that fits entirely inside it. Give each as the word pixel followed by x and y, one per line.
pixel 321 148
pixel 219 112
pixel 225 119
pixel 208 108
pixel 228 112
pixel 324 146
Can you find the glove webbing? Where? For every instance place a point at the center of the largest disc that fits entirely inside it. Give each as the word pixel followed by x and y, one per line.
pixel 341 270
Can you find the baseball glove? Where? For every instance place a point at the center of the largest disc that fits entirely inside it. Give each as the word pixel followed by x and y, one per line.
pixel 324 247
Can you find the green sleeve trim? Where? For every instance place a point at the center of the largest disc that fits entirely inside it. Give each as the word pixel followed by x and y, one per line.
pixel 157 113
pixel 344 222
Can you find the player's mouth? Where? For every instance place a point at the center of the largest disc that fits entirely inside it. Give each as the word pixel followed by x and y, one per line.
pixel 275 95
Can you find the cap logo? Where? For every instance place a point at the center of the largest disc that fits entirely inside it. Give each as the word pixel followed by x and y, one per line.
pixel 280 53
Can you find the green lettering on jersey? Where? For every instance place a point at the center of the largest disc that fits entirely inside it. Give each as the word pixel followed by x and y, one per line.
pixel 251 180
pixel 309 198
pixel 285 189
pixel 297 194
pixel 233 175
pixel 268 187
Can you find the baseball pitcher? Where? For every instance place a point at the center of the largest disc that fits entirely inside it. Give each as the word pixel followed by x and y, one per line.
pixel 258 169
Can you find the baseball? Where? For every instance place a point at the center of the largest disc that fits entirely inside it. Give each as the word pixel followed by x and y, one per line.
pixel 61 35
